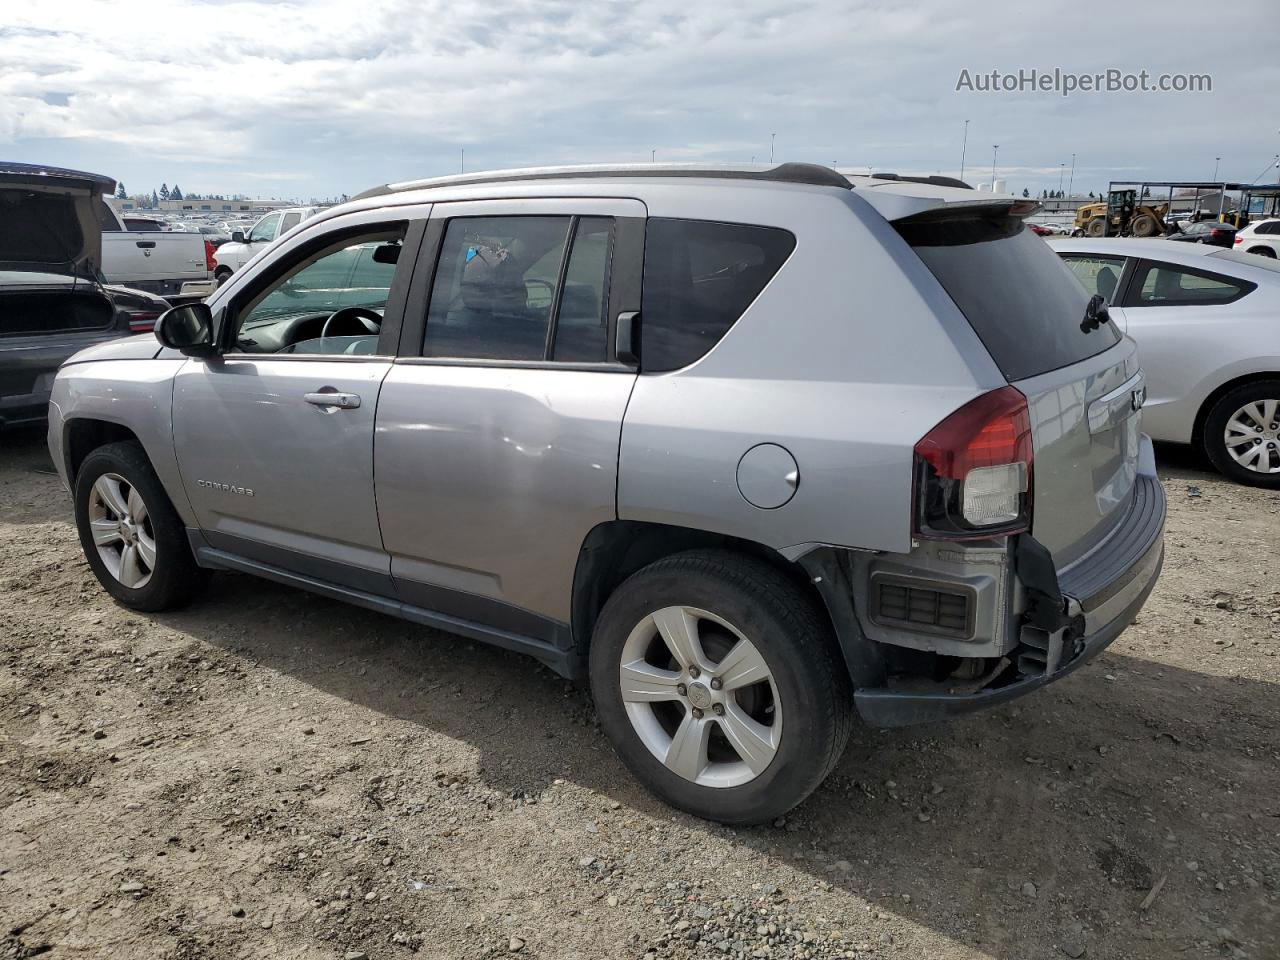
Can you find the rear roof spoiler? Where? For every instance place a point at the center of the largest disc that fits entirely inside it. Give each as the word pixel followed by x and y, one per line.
pixel 904 197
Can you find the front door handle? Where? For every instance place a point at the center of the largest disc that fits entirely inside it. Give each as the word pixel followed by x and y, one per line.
pixel 331 398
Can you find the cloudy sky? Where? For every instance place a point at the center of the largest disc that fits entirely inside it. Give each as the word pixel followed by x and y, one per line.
pixel 303 99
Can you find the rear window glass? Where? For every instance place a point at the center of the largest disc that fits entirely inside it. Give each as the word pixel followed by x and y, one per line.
pixel 699 278
pixel 1020 299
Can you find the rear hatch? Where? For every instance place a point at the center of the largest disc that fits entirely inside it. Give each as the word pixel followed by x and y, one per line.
pixel 1082 381
pixel 50 220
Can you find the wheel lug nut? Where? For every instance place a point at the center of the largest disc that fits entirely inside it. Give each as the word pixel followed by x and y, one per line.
pixel 697 714
pixel 681 689
pixel 694 672
pixel 716 683
pixel 719 709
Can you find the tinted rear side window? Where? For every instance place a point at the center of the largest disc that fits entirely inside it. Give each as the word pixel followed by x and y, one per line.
pixel 699 278
pixel 1020 299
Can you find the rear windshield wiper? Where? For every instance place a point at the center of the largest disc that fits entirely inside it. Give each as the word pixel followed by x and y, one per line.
pixel 1095 313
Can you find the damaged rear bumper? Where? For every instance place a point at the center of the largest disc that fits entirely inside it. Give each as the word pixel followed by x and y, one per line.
pixel 1095 599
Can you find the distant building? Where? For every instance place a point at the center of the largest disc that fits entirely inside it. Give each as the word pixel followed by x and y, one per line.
pixel 202 206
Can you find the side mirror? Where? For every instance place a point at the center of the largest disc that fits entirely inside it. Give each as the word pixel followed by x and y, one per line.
pixel 237 236
pixel 188 328
pixel 386 253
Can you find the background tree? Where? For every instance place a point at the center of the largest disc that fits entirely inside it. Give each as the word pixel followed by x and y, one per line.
pixel 1026 192
pixel 175 193
pixel 164 191
pixel 121 194
pixel 155 200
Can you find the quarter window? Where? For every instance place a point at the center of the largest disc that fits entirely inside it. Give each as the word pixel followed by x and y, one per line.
pixel 699 278
pixel 290 221
pixel 1163 284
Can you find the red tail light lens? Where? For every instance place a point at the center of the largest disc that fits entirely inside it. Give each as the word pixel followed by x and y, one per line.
pixel 143 322
pixel 973 470
pixel 1239 239
pixel 209 263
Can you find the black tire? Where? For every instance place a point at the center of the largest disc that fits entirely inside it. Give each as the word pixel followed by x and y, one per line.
pixel 1212 440
pixel 176 578
pixel 1096 227
pixel 1263 252
pixel 1143 225
pixel 221 276
pixel 797 644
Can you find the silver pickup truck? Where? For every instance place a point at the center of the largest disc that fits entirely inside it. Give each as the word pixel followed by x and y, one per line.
pixel 171 264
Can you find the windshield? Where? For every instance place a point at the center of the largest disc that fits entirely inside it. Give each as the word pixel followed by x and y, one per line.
pixel 1021 300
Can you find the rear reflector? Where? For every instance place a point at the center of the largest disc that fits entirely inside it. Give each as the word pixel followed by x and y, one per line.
pixel 973 470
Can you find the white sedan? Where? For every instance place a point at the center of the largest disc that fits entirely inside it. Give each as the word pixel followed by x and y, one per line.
pixel 1207 324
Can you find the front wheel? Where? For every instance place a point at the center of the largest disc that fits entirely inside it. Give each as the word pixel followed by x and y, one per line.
pixel 132 537
pixel 1242 434
pixel 721 686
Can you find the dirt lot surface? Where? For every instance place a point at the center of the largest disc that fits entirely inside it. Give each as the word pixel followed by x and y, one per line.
pixel 268 774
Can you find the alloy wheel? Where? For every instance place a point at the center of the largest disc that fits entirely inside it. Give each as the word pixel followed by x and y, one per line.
pixel 701 697
pixel 1252 436
pixel 122 531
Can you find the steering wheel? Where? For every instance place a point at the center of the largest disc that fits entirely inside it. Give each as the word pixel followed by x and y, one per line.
pixel 351 322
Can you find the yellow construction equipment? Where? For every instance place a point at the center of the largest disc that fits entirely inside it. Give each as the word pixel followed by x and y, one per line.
pixel 1127 217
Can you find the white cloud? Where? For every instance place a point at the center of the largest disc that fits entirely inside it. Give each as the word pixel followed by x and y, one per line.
pixel 337 95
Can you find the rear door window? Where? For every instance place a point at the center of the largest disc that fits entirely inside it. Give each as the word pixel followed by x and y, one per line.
pixel 699 278
pixel 1023 303
pixel 1167 285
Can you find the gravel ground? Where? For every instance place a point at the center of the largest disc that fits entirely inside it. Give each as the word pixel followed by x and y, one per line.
pixel 270 774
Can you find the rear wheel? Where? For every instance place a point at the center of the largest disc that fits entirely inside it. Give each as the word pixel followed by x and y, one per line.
pixel 1242 434
pixel 1097 227
pixel 222 275
pixel 132 537
pixel 1263 252
pixel 721 686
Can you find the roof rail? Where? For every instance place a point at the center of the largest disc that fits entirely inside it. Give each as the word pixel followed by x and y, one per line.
pixel 811 174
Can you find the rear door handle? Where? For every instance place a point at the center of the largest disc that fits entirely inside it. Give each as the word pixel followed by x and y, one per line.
pixel 331 398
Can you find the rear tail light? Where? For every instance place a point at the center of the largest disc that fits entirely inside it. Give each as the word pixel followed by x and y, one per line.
pixel 142 322
pixel 973 470
pixel 209 263
pixel 1239 239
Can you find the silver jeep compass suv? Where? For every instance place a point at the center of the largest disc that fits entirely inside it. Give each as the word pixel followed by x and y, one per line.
pixel 750 448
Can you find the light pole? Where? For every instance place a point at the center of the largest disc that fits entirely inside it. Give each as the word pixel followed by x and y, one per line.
pixel 1062 168
pixel 995 152
pixel 963 146
pixel 772 136
pixel 1072 178
pixel 1215 168
pixel 653 156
